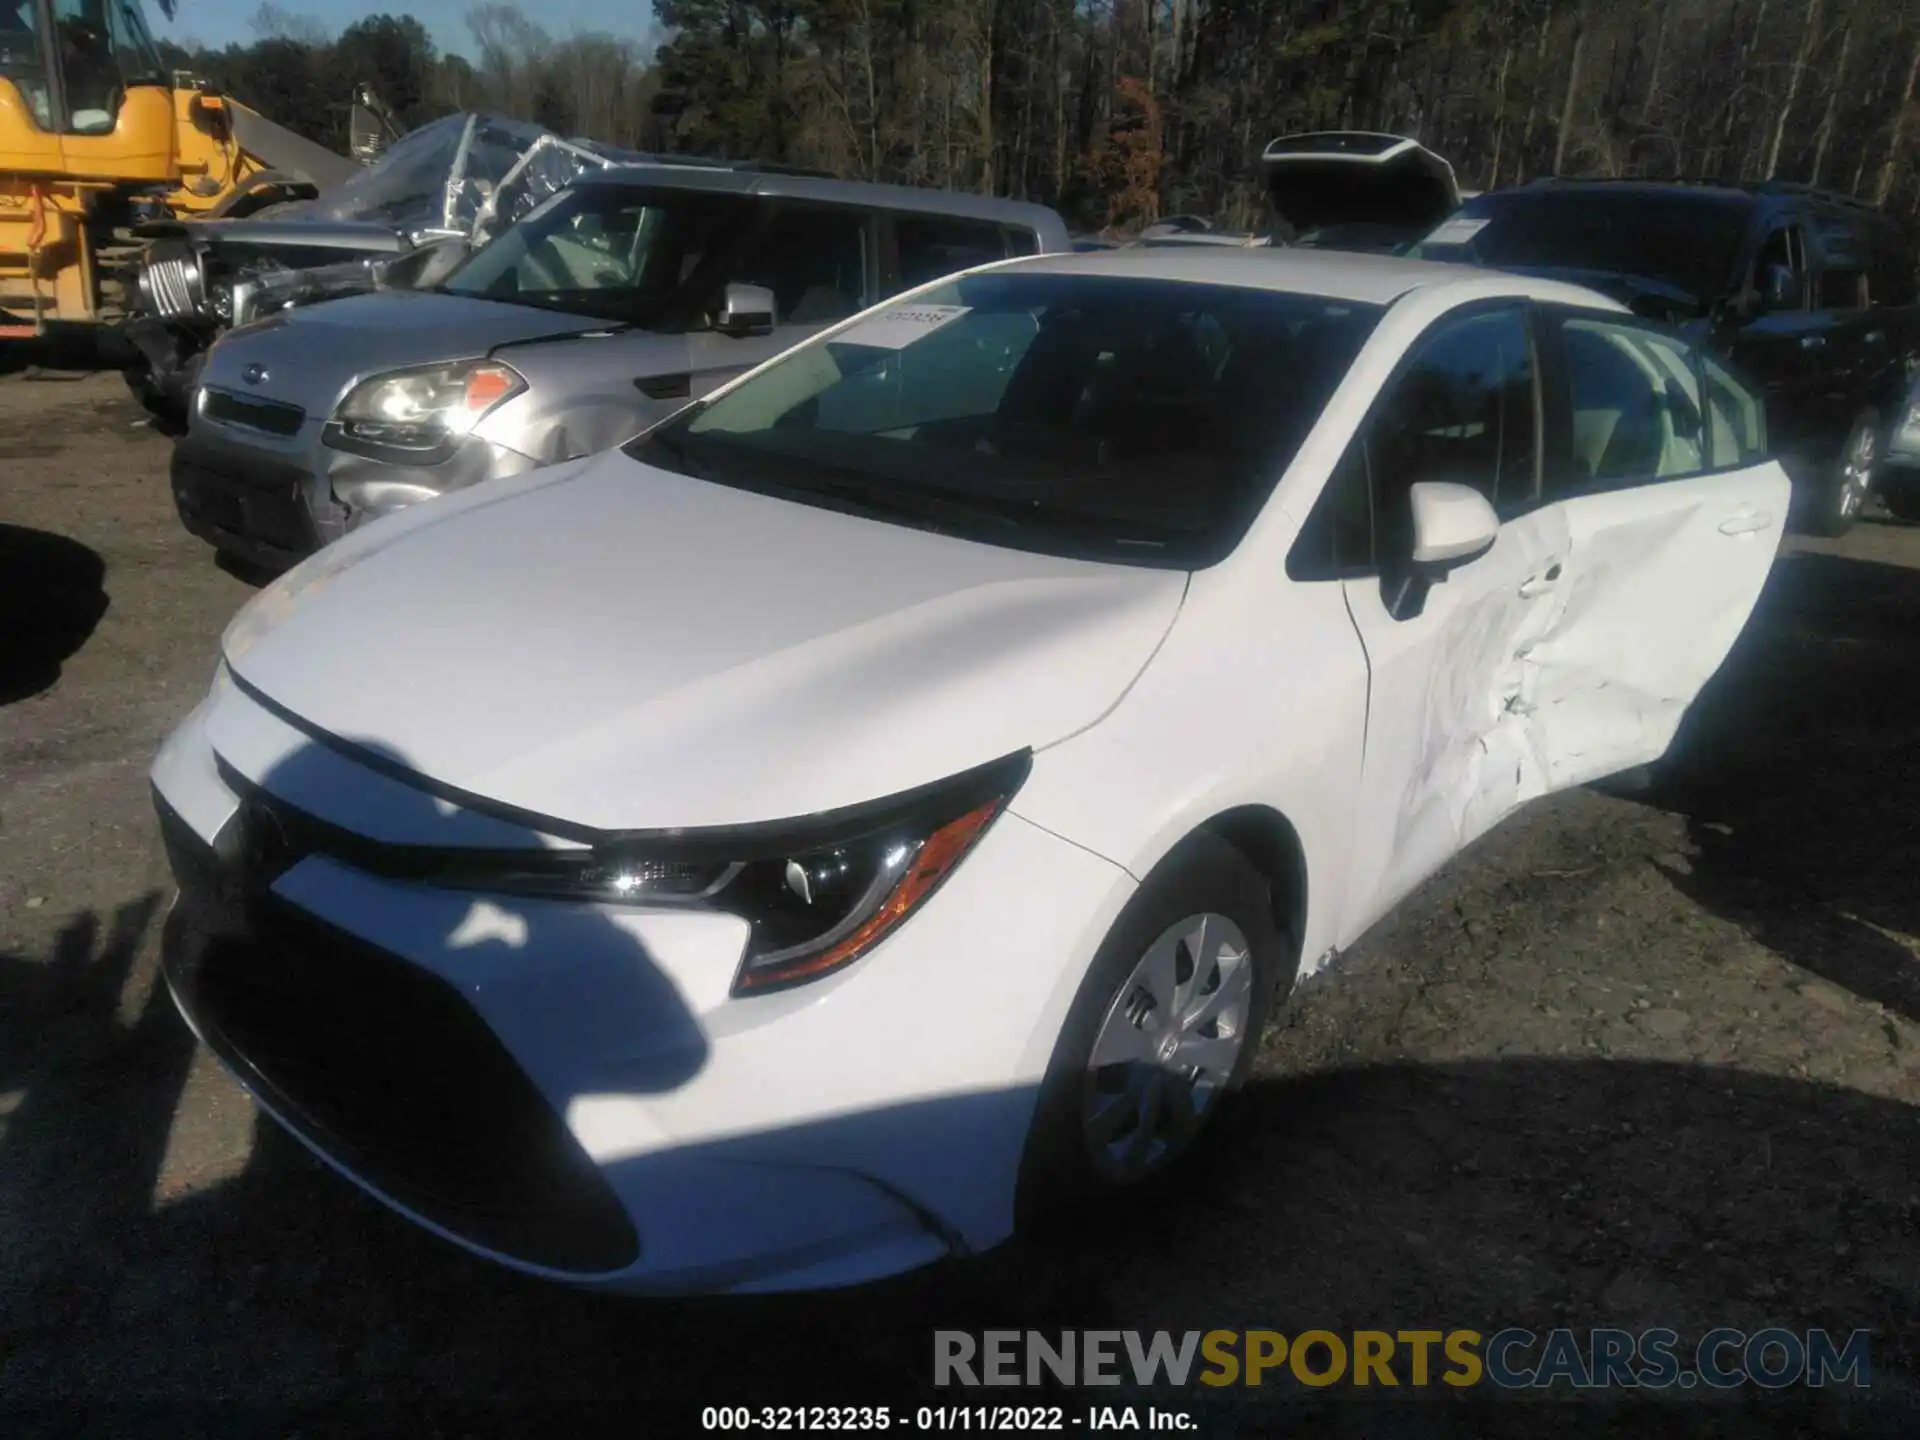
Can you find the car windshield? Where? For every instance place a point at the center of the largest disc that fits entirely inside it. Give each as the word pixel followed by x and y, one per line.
pixel 1120 418
pixel 1688 241
pixel 640 257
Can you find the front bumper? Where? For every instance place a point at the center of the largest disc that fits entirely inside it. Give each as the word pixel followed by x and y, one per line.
pixel 253 506
pixel 273 500
pixel 570 1090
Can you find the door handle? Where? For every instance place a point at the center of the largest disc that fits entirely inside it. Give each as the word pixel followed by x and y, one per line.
pixel 1813 342
pixel 1746 522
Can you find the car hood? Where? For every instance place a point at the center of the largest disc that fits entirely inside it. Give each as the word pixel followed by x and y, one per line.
pixel 613 646
pixel 1357 178
pixel 312 356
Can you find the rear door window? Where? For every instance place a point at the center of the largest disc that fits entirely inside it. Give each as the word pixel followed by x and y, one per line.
pixel 814 259
pixel 930 246
pixel 1633 400
pixel 1736 418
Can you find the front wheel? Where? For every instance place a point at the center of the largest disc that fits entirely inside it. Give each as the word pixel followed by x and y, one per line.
pixel 1164 1026
pixel 1844 497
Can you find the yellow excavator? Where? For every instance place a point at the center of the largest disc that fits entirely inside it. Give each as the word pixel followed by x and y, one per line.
pixel 96 137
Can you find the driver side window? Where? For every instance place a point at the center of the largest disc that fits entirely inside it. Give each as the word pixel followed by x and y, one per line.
pixel 88 65
pixel 20 59
pixel 1463 408
pixel 1779 272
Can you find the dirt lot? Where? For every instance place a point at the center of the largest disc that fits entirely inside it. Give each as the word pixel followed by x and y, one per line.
pixel 1633 1061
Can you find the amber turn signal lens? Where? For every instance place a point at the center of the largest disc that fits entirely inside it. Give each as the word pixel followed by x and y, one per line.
pixel 487 386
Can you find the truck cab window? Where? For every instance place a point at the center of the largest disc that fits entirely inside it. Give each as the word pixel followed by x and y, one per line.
pixel 104 48
pixel 21 61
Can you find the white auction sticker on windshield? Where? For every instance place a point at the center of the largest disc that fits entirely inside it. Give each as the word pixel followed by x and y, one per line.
pixel 1455 232
pixel 899 327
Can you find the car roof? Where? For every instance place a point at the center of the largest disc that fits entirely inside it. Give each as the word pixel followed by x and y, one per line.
pixel 723 179
pixel 1630 190
pixel 1337 275
pixel 1744 192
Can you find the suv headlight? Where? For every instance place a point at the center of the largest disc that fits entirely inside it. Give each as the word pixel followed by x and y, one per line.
pixel 420 414
pixel 817 894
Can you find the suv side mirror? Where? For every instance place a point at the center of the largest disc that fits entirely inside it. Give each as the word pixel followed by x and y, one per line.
pixel 745 310
pixel 1779 288
pixel 1452 524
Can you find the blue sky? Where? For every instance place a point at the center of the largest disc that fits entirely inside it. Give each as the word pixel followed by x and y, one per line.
pixel 221 22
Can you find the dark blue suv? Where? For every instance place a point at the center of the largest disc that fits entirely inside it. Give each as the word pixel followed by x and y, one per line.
pixel 1811 294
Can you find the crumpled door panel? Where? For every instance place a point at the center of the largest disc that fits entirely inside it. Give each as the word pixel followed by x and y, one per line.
pixel 1449 751
pixel 1659 581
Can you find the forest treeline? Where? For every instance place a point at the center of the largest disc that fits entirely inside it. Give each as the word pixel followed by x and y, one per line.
pixel 1118 111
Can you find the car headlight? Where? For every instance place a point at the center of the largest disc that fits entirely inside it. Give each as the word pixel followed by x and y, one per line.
pixel 421 413
pixel 818 894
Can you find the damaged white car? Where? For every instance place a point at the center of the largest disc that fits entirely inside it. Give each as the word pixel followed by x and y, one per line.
pixel 883 801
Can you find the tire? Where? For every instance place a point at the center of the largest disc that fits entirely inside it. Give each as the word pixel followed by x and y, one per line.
pixel 169 411
pixel 1063 1168
pixel 1844 493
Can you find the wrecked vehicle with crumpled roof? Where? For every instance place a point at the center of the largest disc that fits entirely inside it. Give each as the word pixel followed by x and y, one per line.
pixel 407 220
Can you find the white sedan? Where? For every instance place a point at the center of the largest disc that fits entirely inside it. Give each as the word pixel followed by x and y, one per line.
pixel 885 800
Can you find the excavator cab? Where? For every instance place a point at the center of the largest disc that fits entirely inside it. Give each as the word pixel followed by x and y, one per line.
pixel 72 65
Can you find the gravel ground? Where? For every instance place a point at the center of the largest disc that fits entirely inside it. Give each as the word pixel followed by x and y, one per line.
pixel 1636 1059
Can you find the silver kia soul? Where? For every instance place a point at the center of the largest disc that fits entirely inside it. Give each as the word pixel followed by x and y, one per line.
pixel 619 300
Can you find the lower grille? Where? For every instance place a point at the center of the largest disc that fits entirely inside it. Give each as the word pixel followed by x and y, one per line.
pixel 387 1069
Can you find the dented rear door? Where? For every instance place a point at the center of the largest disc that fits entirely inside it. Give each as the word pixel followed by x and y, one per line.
pixel 1673 516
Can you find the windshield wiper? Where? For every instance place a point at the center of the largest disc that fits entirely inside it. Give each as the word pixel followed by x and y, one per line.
pixel 947 509
pixel 895 502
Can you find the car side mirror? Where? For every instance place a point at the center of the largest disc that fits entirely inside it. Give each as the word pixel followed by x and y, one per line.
pixel 1779 288
pixel 1452 524
pixel 745 310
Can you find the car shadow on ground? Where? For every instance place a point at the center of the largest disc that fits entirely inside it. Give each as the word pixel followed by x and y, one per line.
pixel 1536 1193
pixel 52 595
pixel 1799 774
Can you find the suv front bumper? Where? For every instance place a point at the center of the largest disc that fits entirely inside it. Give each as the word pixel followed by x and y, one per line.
pixel 254 507
pixel 270 509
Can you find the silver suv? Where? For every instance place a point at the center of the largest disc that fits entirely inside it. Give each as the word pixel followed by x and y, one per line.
pixel 624 297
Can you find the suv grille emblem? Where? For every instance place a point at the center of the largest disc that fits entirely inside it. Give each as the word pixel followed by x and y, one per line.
pixel 255 374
